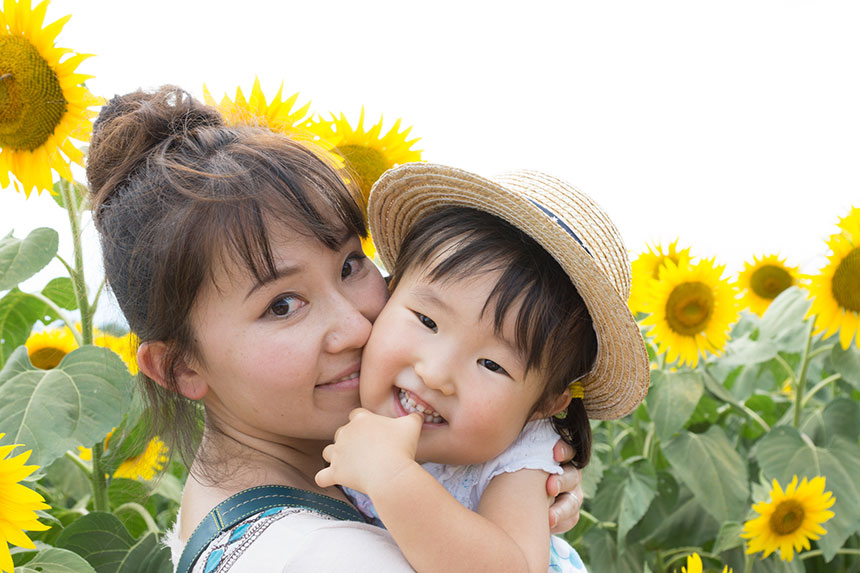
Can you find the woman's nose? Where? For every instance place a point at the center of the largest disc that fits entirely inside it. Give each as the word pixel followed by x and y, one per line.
pixel 348 327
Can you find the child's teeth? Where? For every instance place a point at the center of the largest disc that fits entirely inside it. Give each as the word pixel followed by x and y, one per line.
pixel 430 416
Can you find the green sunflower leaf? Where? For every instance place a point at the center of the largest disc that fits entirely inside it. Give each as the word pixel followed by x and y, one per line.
pixel 19 311
pixel 847 363
pixel 783 321
pixel 21 259
pixel 98 537
pixel 56 560
pixel 76 403
pixel 672 399
pixel 61 291
pixel 783 453
pixel 147 556
pixel 712 469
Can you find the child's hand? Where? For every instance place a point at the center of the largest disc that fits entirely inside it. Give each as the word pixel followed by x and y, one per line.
pixel 369 450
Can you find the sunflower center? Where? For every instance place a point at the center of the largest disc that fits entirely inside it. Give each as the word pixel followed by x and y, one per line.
pixel 46 358
pixel 770 280
pixel 689 308
pixel 787 517
pixel 31 97
pixel 367 164
pixel 846 281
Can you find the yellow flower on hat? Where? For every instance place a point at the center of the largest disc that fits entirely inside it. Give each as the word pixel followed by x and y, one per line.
pixel 18 504
pixel 278 115
pixel 691 308
pixel 835 290
pixel 645 269
pixel 48 347
pixel 763 279
pixel 43 102
pixel 147 464
pixel 790 519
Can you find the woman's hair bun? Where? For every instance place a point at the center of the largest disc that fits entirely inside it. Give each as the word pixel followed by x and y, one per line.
pixel 131 126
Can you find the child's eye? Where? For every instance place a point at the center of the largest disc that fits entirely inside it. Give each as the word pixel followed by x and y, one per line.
pixel 352 264
pixel 427 321
pixel 285 305
pixel 492 366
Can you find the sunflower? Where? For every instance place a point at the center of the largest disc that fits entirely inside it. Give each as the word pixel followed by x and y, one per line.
pixel 835 291
pixel 125 346
pixel 48 347
pixel 850 224
pixel 694 565
pixel 367 154
pixel 147 464
pixel 278 115
pixel 790 519
pixel 646 267
pixel 18 504
pixel 691 308
pixel 763 279
pixel 43 102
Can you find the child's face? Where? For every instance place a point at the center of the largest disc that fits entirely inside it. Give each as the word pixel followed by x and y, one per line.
pixel 431 348
pixel 280 360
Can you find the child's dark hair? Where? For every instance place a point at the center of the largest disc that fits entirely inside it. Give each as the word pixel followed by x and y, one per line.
pixel 553 330
pixel 175 191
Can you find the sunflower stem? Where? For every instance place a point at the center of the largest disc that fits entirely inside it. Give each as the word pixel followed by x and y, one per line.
pixel 98 480
pixel 79 462
pixel 786 366
pixel 140 510
pixel 801 377
pixel 822 350
pixel 718 390
pixel 94 305
pixel 818 552
pixel 819 386
pixel 748 563
pixel 63 316
pixel 77 271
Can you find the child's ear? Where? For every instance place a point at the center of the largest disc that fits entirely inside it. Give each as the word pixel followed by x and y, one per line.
pixel 553 407
pixel 152 361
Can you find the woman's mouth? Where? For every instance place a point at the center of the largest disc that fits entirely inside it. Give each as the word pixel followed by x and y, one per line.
pixel 431 416
pixel 348 381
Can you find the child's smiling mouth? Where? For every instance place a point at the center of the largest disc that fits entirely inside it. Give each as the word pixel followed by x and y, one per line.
pixel 411 403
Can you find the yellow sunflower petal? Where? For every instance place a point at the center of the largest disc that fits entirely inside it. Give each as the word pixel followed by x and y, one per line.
pixel 43 103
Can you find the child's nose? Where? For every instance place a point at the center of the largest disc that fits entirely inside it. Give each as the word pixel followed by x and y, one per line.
pixel 436 374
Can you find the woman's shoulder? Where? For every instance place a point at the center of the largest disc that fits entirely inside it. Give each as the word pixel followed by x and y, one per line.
pixel 298 539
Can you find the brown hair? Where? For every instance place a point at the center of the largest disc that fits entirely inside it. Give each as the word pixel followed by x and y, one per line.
pixel 553 328
pixel 172 189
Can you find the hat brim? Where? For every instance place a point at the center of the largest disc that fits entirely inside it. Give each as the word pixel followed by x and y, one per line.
pixel 618 381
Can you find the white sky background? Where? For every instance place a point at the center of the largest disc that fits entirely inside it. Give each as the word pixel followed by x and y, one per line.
pixel 734 125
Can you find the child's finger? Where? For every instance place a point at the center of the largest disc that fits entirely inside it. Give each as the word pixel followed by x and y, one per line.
pixel 325 477
pixel 327 452
pixel 356 412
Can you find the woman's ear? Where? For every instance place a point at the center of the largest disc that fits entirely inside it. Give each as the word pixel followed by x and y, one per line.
pixel 152 361
pixel 554 406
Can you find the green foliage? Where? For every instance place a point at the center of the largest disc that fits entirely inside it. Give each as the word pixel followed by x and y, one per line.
pixel 684 477
pixel 97 523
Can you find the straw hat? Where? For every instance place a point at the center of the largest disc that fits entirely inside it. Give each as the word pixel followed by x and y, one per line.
pixel 565 222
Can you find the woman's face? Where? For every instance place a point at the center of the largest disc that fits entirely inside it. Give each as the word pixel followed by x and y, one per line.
pixel 281 359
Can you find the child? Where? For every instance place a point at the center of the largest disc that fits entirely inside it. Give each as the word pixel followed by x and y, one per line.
pixel 507 321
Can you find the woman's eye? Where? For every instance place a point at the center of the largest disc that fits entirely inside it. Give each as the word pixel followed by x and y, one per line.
pixel 492 366
pixel 427 321
pixel 352 264
pixel 286 305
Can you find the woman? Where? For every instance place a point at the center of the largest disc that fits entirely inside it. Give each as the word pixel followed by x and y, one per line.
pixel 235 256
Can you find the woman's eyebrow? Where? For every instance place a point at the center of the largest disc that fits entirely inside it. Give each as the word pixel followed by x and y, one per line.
pixel 280 272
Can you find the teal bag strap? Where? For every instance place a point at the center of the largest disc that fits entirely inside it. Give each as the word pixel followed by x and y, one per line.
pixel 252 501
